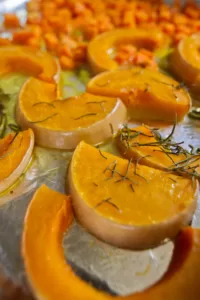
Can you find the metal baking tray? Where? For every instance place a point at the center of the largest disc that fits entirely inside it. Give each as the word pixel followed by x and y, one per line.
pixel 96 262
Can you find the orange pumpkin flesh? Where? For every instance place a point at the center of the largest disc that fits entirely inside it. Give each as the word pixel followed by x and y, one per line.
pixel 128 209
pixel 64 123
pixel 15 154
pixel 185 61
pixel 149 95
pixel 100 47
pixel 151 156
pixel 29 61
pixel 49 215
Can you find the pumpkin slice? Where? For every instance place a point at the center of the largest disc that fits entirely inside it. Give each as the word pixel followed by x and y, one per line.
pixel 185 61
pixel 100 49
pixel 15 154
pixel 130 143
pixel 125 204
pixel 52 278
pixel 64 123
pixel 29 61
pixel 149 95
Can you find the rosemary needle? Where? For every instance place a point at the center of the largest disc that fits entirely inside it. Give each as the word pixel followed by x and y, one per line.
pixel 108 200
pixel 102 154
pixel 40 121
pixel 86 115
pixel 47 103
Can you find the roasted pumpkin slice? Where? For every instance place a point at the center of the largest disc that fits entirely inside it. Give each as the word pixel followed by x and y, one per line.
pixel 101 48
pixel 126 204
pixel 64 123
pixel 149 95
pixel 185 61
pixel 146 146
pixel 52 278
pixel 29 61
pixel 15 154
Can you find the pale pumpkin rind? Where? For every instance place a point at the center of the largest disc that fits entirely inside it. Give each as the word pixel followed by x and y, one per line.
pixel 15 154
pixel 128 207
pixel 185 61
pixel 49 215
pixel 149 95
pixel 62 124
pixel 152 156
pixel 99 48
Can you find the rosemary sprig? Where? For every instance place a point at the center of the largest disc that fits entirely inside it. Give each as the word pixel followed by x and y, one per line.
pixel 14 127
pixel 136 164
pixel 108 200
pixel 42 102
pixel 86 115
pixel 40 121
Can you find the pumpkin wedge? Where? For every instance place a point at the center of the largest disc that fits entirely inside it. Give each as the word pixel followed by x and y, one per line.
pixel 52 278
pixel 15 154
pixel 100 49
pixel 145 145
pixel 185 61
pixel 29 61
pixel 128 205
pixel 64 123
pixel 148 95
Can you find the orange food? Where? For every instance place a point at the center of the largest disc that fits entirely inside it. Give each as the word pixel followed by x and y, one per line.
pixel 130 140
pixel 64 123
pixel 185 61
pixel 131 206
pixel 42 252
pixel 15 154
pixel 100 48
pixel 11 21
pixel 149 95
pixel 30 61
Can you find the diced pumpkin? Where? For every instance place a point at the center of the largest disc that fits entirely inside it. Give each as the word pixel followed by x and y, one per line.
pixel 125 204
pixel 100 48
pixel 64 123
pixel 29 61
pixel 148 95
pixel 130 143
pixel 47 269
pixel 185 61
pixel 15 154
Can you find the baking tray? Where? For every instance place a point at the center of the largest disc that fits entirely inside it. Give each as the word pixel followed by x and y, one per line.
pixel 96 262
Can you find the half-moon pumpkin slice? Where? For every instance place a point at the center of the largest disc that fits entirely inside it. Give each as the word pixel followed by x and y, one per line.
pixel 100 49
pixel 64 123
pixel 15 154
pixel 29 61
pixel 125 204
pixel 148 95
pixel 147 147
pixel 185 61
pixel 52 278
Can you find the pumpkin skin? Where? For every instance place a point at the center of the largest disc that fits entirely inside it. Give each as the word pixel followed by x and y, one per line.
pixel 15 153
pixel 185 61
pixel 149 95
pixel 47 269
pixel 99 48
pixel 145 207
pixel 62 124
